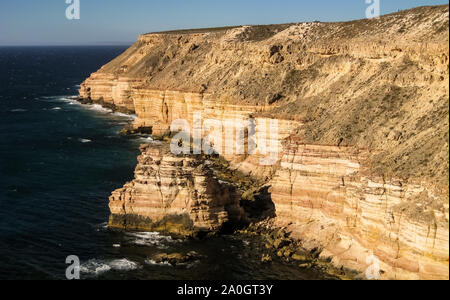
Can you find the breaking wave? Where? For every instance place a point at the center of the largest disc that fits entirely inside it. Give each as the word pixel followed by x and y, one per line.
pixel 97 267
pixel 149 239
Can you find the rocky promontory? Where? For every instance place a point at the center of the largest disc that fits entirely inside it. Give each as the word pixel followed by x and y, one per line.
pixel 175 195
pixel 361 171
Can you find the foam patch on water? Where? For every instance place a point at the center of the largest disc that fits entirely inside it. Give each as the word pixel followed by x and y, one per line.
pixel 99 108
pixel 56 108
pixel 71 100
pixel 148 139
pixel 18 110
pixel 102 226
pixel 57 98
pixel 94 267
pixel 154 263
pixel 97 267
pixel 123 265
pixel 84 141
pixel 150 239
pixel 119 114
pixel 50 97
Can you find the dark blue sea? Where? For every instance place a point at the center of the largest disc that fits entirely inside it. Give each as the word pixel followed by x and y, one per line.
pixel 59 162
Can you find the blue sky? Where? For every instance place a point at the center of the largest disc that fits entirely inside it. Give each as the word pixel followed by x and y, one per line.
pixel 43 22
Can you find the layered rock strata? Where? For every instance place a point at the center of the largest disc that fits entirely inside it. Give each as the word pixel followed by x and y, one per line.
pixel 174 194
pixel 322 195
pixel 362 148
pixel 110 90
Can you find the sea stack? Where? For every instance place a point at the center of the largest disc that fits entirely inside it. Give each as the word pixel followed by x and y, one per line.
pixel 172 194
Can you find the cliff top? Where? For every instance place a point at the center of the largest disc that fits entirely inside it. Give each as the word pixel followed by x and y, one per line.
pixel 350 28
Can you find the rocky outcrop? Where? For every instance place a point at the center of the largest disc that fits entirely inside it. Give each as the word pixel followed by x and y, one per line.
pixel 174 194
pixel 361 174
pixel 110 90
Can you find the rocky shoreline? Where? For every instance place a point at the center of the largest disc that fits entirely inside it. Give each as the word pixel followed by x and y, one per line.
pixel 105 104
pixel 279 244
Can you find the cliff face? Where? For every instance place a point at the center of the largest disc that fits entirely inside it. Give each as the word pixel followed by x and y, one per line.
pixel 173 194
pixel 323 196
pixel 378 84
pixel 362 109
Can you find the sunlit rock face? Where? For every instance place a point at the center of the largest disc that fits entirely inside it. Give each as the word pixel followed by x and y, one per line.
pixel 174 194
pixel 323 196
pixel 361 171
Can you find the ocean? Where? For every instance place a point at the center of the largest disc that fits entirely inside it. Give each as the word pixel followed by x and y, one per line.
pixel 60 161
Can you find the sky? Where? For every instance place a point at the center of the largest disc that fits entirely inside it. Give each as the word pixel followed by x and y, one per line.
pixel 111 22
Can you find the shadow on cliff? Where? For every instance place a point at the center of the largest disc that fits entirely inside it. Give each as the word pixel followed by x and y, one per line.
pixel 258 205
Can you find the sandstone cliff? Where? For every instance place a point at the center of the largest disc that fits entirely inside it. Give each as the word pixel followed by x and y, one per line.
pixel 363 136
pixel 174 194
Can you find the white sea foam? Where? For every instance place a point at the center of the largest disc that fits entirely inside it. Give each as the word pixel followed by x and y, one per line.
pixel 84 141
pixel 154 263
pixel 73 100
pixel 57 98
pixel 123 265
pixel 148 139
pixel 104 225
pixel 56 108
pixel 19 110
pixel 149 239
pixel 98 267
pixel 101 226
pixel 99 108
pixel 133 117
pixel 70 99
pixel 94 267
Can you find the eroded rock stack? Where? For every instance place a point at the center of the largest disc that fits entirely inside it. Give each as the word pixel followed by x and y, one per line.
pixel 174 194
